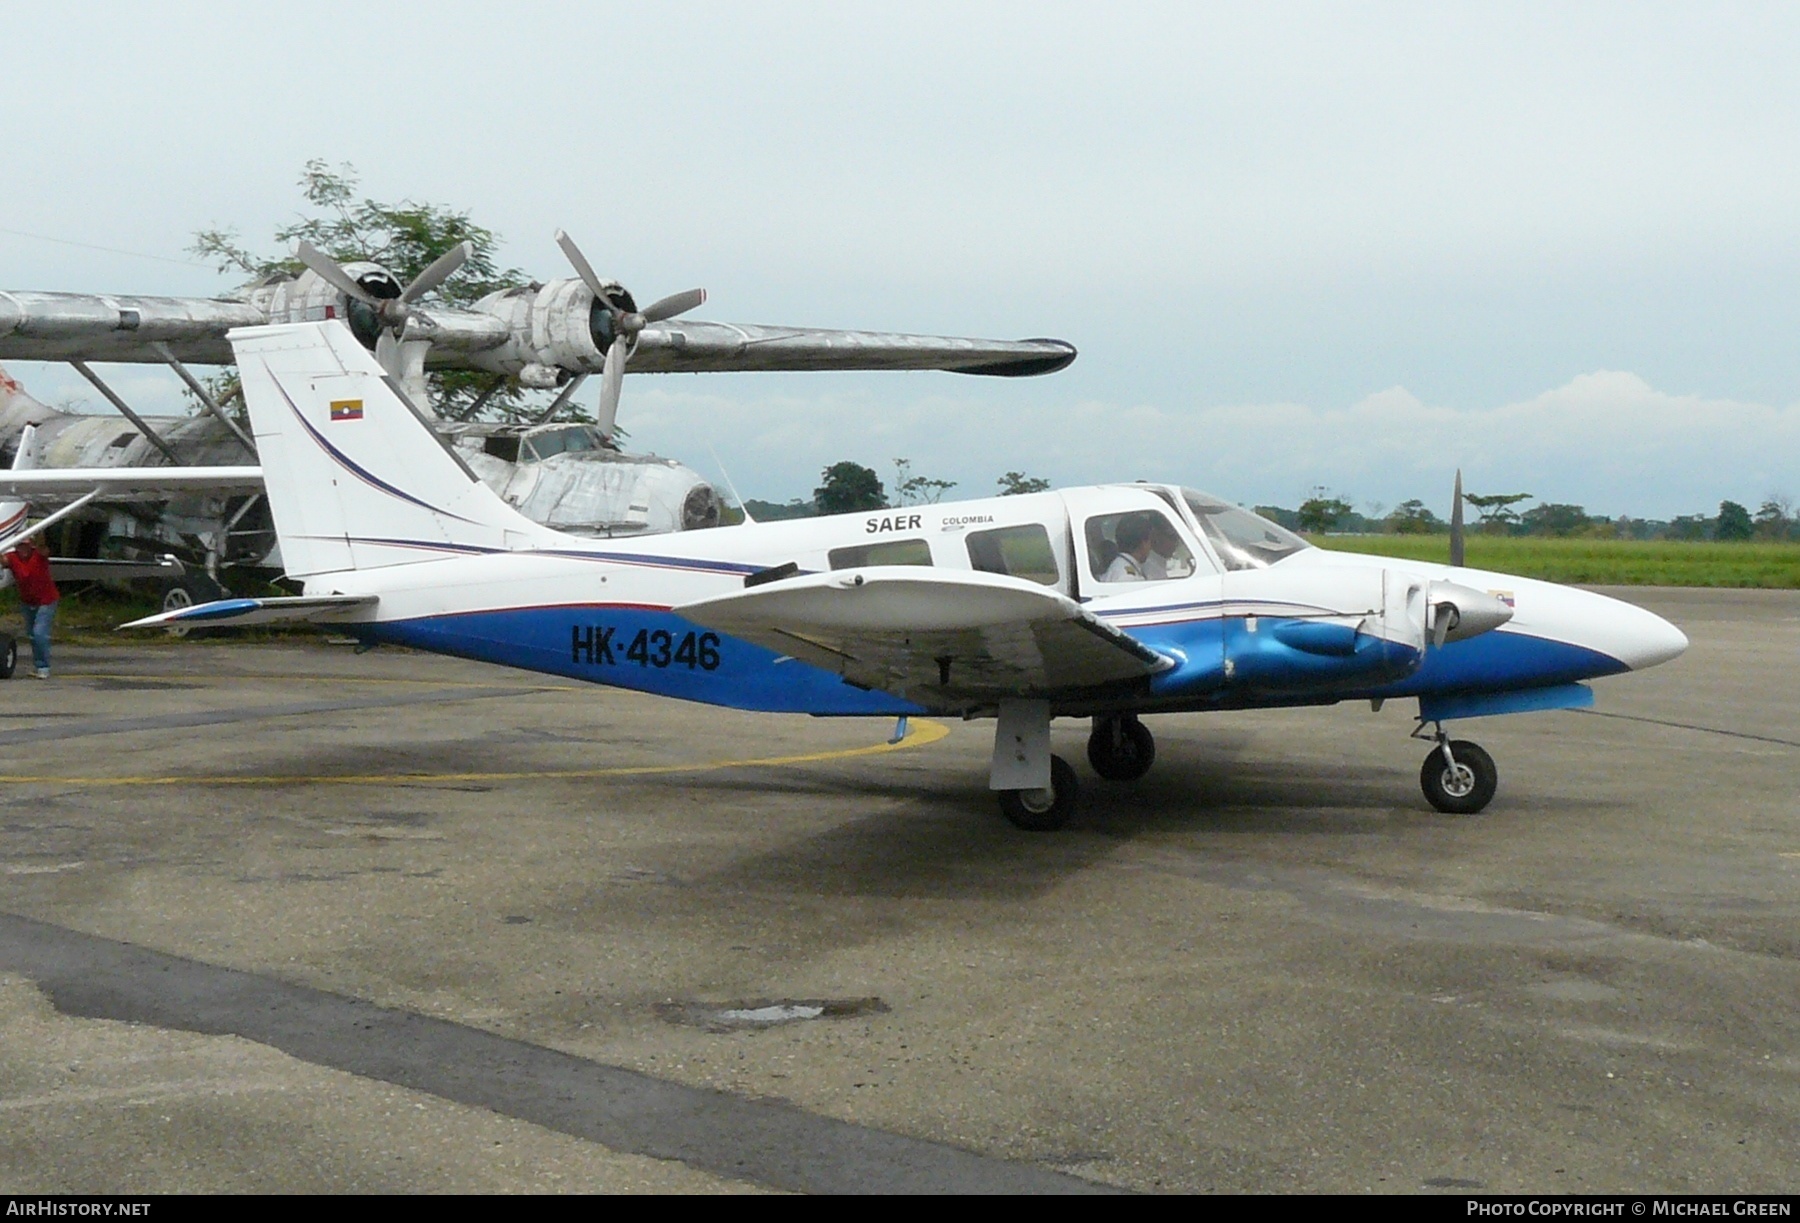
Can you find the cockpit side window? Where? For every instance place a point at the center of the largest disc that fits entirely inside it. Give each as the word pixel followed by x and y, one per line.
pixel 504 448
pixel 1021 551
pixel 1243 540
pixel 888 552
pixel 571 440
pixel 1139 546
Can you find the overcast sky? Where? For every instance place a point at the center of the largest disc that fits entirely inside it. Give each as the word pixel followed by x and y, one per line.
pixel 1296 245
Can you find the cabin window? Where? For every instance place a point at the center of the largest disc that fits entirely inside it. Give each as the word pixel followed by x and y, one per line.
pixel 888 552
pixel 1140 546
pixel 1021 552
pixel 503 448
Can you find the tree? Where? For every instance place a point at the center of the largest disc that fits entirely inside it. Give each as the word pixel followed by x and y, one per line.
pixel 403 237
pixel 917 490
pixel 1412 518
pixel 1320 513
pixel 1496 509
pixel 848 487
pixel 1688 526
pixel 1775 517
pixel 1734 522
pixel 1017 484
pixel 1554 518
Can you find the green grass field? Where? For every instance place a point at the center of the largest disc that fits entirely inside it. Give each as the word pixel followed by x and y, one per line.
pixel 1600 562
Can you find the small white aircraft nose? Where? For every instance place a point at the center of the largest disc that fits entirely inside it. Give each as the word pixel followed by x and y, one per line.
pixel 1650 640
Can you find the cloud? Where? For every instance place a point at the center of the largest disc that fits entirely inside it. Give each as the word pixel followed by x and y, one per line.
pixel 1607 440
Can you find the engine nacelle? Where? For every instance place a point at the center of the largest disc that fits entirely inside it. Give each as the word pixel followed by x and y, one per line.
pixel 308 299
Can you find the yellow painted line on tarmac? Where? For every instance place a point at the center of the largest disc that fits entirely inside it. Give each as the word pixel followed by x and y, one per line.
pixel 920 732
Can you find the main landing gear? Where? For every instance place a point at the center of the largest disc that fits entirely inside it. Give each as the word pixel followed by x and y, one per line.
pixel 1121 748
pixel 1037 790
pixel 1458 777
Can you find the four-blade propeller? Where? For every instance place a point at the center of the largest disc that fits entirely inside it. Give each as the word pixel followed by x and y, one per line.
pixel 395 311
pixel 626 324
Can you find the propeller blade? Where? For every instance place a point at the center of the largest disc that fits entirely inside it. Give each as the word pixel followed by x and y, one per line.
pixel 442 268
pixel 583 268
pixel 670 306
pixel 326 269
pixel 612 380
pixel 1456 523
pixel 387 354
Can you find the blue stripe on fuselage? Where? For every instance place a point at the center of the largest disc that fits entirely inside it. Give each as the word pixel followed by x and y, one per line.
pixel 594 642
pixel 1502 661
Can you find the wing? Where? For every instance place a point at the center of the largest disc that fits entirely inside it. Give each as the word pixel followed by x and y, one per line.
pixel 681 346
pixel 124 482
pixel 238 613
pixel 947 640
pixel 95 327
pixel 90 327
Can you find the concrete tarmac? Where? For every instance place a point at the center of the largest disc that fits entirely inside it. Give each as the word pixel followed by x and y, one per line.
pixel 278 917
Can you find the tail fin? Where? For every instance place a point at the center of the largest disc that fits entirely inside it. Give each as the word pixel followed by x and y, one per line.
pixel 356 477
pixel 14 513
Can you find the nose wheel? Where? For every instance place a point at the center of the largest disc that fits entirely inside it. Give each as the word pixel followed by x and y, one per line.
pixel 1458 777
pixel 1121 748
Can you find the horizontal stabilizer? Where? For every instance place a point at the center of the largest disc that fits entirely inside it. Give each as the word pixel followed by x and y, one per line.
pixel 942 638
pixel 240 613
pixel 84 569
pixel 128 481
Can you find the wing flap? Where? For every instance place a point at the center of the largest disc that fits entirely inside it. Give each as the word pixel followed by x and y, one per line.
pixel 943 639
pixel 240 613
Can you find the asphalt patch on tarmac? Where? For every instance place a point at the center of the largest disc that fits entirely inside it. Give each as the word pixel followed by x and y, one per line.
pixel 766 1012
pixel 769 1142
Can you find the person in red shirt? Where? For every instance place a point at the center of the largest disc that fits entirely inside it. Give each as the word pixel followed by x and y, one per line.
pixel 29 566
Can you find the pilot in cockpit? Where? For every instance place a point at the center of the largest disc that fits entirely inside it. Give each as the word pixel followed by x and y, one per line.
pixel 1168 556
pixel 1133 539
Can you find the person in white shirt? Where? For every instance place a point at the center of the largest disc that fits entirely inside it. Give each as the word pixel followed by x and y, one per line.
pixel 1133 538
pixel 1165 546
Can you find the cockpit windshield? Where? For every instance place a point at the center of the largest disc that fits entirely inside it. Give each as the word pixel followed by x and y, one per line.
pixel 566 440
pixel 1243 540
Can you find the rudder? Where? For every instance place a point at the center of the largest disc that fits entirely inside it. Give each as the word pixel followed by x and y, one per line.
pixel 356 476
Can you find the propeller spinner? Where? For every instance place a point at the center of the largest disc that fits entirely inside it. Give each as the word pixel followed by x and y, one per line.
pixel 626 324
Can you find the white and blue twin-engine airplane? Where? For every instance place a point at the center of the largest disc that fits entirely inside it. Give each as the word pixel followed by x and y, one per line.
pixel 1106 603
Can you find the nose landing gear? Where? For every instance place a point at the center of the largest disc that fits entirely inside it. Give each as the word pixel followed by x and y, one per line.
pixel 1458 777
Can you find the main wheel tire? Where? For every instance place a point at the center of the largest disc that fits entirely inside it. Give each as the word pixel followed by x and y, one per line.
pixel 1043 810
pixel 186 591
pixel 1126 758
pixel 1462 790
pixel 9 655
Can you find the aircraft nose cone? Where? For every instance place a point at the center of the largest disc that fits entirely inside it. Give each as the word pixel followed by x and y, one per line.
pixel 1652 640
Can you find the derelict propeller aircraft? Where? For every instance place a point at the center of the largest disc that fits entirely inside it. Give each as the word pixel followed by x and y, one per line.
pixel 1107 603
pixel 570 475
